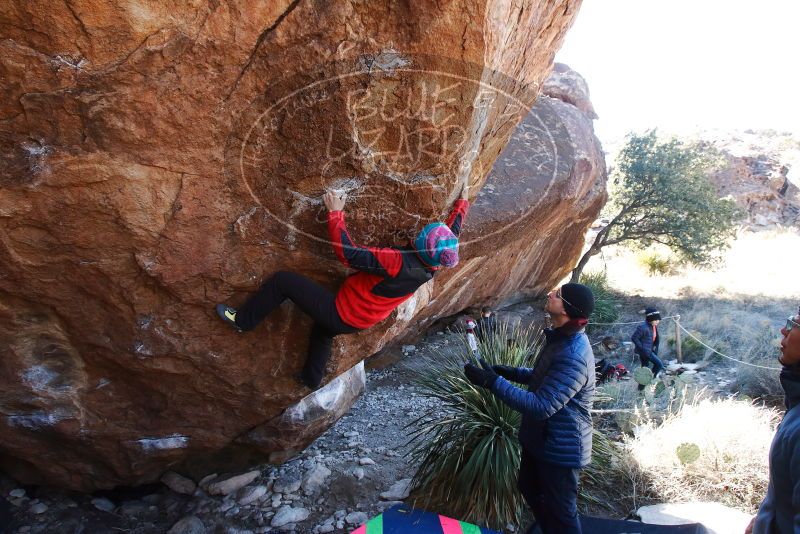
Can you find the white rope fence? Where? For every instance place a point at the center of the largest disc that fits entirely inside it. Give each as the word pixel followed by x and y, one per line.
pixel 725 355
pixel 679 325
pixel 633 322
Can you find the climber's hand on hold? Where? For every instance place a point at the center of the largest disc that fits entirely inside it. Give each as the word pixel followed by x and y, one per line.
pixel 334 200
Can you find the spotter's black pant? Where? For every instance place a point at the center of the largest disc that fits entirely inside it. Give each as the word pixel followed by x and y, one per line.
pixel 552 493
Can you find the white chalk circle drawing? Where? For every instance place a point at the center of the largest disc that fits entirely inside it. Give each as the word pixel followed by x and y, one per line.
pixel 413 135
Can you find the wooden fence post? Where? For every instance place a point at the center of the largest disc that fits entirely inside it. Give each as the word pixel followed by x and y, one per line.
pixel 678 338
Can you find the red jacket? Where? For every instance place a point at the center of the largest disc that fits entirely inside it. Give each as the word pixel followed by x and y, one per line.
pixel 387 276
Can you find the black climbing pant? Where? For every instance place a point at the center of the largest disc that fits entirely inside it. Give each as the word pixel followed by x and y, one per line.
pixel 315 301
pixel 552 493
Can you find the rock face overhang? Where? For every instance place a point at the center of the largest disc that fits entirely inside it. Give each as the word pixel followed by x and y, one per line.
pixel 159 159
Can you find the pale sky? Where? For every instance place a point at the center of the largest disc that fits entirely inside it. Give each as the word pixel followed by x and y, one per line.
pixel 680 65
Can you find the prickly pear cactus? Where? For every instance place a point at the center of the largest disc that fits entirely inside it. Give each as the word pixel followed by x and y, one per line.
pixel 687 453
pixel 643 376
pixel 681 380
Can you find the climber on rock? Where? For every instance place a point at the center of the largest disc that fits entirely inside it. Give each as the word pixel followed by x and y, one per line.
pixel 386 277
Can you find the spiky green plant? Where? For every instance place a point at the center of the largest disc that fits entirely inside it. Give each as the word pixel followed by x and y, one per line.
pixel 466 450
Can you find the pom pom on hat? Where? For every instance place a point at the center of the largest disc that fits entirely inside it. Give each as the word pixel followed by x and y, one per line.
pixel 437 245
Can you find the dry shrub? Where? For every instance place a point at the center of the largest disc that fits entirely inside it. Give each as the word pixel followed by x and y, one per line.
pixel 657 263
pixel 756 264
pixel 761 382
pixel 733 438
pixel 744 328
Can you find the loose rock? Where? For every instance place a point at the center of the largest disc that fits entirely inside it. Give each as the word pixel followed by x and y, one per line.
pixel 287 515
pixel 188 525
pixel 249 495
pixel 224 486
pixel 101 503
pixel 178 483
pixel 288 483
pixel 39 508
pixel 315 478
pixel 356 518
pixel 398 491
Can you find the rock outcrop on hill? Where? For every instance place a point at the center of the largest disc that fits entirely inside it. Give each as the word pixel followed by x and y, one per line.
pixel 159 159
pixel 761 173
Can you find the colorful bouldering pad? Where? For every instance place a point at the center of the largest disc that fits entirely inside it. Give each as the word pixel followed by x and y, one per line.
pixel 404 520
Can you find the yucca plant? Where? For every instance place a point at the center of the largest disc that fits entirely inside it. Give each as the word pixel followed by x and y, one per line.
pixel 466 450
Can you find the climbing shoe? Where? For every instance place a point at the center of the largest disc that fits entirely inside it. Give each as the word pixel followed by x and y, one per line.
pixel 228 314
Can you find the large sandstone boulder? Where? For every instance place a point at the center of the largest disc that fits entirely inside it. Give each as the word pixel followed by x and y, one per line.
pixel 158 158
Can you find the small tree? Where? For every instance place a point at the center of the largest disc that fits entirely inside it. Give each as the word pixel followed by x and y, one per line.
pixel 660 193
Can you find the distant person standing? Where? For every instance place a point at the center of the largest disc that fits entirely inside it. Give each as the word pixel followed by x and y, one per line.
pixel 486 324
pixel 779 513
pixel 471 339
pixel 645 340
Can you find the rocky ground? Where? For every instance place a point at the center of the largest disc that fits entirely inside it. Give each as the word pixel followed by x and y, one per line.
pixel 351 473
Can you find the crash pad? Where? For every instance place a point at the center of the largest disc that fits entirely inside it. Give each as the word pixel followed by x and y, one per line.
pixel 401 519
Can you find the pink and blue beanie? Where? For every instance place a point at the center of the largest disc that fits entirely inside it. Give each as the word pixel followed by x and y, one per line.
pixel 437 245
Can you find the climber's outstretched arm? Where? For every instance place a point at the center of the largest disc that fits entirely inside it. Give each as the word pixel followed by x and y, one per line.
pixel 384 262
pixel 459 212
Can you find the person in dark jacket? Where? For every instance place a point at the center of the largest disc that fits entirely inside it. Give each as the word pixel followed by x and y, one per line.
pixel 779 513
pixel 556 431
pixel 386 277
pixel 645 341
pixel 486 324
